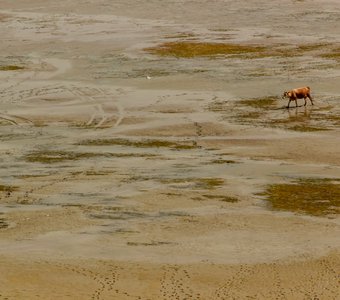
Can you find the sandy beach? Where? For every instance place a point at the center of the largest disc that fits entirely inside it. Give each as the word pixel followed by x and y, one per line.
pixel 146 152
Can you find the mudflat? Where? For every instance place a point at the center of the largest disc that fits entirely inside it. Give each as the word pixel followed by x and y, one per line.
pixel 146 152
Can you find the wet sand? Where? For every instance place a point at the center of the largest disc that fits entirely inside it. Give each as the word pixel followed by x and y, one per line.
pixel 131 175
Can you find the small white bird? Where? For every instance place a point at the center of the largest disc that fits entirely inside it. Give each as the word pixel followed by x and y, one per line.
pixel 148 77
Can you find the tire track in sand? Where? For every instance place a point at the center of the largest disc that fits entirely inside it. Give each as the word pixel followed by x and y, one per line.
pixel 12 94
pixel 103 101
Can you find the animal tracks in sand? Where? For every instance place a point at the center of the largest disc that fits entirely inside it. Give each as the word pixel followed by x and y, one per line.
pixel 176 284
pixel 102 284
pixel 232 284
pixel 315 287
pixel 106 106
pixel 104 279
pixel 33 193
pixel 263 281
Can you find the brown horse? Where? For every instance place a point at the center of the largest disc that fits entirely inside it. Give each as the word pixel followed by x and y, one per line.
pixel 299 93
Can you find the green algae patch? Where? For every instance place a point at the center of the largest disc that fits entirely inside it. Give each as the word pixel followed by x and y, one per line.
pixel 186 49
pixel 3 223
pixel 224 161
pixel 152 243
pixel 192 49
pixel 222 198
pixel 264 102
pixel 181 35
pixel 138 144
pixel 218 106
pixel 316 197
pixel 8 188
pixel 312 47
pixel 50 157
pixel 257 112
pixel 209 183
pixel 97 173
pixel 11 68
pixel 306 128
pixel 31 176
pixel 299 125
pixel 205 183
pixel 252 115
pixel 334 55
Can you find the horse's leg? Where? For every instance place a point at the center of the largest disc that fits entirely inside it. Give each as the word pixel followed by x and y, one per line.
pixel 310 98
